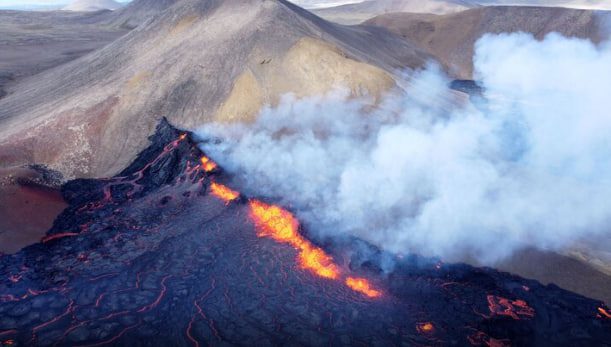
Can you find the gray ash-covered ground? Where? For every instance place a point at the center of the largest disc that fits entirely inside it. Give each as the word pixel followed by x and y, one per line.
pixel 151 258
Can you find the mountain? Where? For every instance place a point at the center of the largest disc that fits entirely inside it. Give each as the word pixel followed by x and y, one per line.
pixel 92 5
pixel 359 12
pixel 451 38
pixel 578 4
pixel 196 62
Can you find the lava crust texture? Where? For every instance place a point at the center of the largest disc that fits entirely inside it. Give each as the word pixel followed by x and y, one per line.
pixel 155 257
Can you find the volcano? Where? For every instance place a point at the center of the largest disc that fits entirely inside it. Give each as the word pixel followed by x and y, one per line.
pixel 168 253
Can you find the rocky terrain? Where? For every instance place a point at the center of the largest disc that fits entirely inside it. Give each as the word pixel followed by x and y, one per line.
pixel 160 255
pixel 31 42
pixel 451 38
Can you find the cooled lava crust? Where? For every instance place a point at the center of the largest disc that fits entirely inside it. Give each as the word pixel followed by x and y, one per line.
pixel 152 258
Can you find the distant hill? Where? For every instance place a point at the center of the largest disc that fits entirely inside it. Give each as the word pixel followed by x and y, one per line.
pixel 359 12
pixel 451 38
pixel 92 5
pixel 578 4
pixel 356 11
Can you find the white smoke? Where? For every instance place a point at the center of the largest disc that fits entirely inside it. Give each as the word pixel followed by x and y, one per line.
pixel 529 166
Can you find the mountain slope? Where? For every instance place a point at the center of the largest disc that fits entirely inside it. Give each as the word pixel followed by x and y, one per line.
pixel 451 38
pixel 197 61
pixel 359 12
pixel 138 11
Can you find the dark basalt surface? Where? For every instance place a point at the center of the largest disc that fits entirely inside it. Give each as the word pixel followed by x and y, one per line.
pixel 150 258
pixel 467 86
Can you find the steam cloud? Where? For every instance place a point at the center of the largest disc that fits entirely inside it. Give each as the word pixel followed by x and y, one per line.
pixel 526 166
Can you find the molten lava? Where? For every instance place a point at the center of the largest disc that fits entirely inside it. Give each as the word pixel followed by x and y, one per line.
pixel 604 312
pixel 515 309
pixel 361 285
pixel 425 328
pixel 317 260
pixel 57 236
pixel 222 192
pixel 207 164
pixel 282 226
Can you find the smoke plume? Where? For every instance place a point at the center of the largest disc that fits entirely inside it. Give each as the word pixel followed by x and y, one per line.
pixel 526 166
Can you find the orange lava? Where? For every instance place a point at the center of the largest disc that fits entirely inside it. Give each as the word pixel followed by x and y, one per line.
pixel 222 192
pixel 207 164
pixel 604 312
pixel 57 236
pixel 425 328
pixel 282 226
pixel 515 309
pixel 361 285
pixel 182 137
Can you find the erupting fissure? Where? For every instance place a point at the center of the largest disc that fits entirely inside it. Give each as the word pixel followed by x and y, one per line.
pixel 207 164
pixel 362 285
pixel 279 224
pixel 223 192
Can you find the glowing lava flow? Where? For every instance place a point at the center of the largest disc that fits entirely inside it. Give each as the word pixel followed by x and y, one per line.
pixel 425 328
pixel 207 164
pixel 604 312
pixel 361 285
pixel 515 309
pixel 222 192
pixel 280 225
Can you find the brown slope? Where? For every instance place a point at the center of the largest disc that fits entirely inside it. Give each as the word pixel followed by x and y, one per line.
pixel 198 61
pixel 29 202
pixel 451 38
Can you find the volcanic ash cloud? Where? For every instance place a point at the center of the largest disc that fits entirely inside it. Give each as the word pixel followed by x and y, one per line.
pixel 527 166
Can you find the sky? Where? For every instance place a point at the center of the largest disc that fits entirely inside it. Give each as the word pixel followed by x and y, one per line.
pixel 36 4
pixel 51 4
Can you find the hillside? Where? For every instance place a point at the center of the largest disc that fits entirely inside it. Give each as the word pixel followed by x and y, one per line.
pixel 451 38
pixel 198 61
